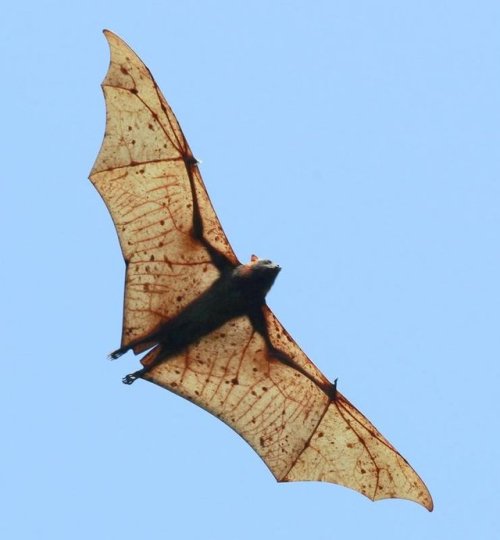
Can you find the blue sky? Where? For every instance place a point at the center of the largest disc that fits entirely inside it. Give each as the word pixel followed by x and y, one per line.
pixel 355 143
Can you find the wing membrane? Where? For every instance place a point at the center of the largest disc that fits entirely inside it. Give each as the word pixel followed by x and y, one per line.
pixel 146 174
pixel 250 373
pixel 289 421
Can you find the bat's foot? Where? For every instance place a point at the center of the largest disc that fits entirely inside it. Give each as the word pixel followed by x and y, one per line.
pixel 116 354
pixel 132 377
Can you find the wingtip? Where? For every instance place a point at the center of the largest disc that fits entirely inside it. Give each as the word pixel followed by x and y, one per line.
pixel 420 495
pixel 111 37
pixel 423 499
pixel 429 505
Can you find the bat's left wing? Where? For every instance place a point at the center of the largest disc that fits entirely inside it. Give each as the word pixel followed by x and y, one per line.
pixel 299 431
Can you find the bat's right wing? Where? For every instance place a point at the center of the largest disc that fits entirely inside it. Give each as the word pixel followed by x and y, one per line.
pixel 171 238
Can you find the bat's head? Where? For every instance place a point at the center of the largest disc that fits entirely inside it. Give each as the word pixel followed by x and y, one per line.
pixel 258 276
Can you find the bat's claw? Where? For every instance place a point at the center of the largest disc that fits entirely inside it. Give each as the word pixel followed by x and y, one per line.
pixel 116 354
pixel 331 391
pixel 132 377
pixel 129 379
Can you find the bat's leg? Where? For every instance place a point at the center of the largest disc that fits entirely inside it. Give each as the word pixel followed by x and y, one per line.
pixel 153 358
pixel 146 342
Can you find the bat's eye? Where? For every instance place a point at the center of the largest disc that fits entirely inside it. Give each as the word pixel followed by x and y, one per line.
pixel 267 262
pixel 270 264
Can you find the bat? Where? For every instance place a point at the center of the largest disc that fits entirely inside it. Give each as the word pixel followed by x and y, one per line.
pixel 200 316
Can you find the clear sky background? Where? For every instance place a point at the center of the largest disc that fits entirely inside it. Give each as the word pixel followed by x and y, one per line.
pixel 355 143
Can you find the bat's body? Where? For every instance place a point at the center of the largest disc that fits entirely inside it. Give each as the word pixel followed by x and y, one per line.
pixel 201 315
pixel 237 292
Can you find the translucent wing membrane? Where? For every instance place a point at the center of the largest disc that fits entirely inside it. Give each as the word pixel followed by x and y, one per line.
pixel 146 174
pixel 248 372
pixel 289 421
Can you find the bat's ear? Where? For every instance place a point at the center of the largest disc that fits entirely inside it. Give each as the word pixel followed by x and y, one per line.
pixel 254 258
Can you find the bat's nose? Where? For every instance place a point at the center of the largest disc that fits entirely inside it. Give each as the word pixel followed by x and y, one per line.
pixel 273 266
